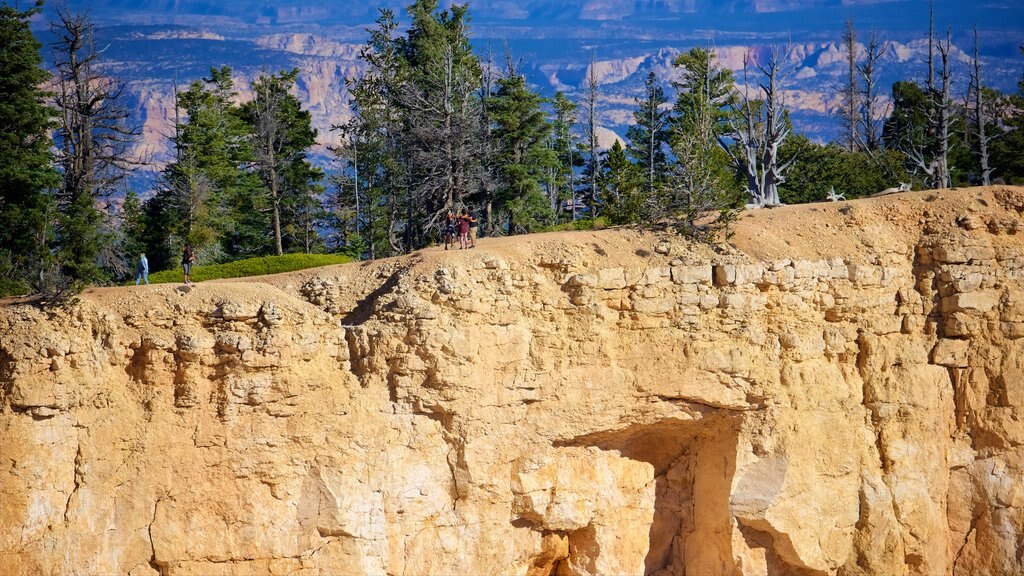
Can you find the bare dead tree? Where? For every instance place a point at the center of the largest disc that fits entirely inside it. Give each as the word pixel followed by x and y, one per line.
pixel 927 153
pixel 758 129
pixel 870 116
pixel 590 98
pixel 942 106
pixel 95 141
pixel 850 95
pixel 93 144
pixel 980 116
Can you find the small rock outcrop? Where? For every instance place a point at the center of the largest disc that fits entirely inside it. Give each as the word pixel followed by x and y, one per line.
pixel 840 393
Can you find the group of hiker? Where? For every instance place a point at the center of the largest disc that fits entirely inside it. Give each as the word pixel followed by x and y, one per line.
pixel 462 225
pixel 188 258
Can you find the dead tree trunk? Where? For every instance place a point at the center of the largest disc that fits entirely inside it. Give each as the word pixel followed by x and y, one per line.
pixel 976 93
pixel 943 111
pixel 759 129
pixel 850 94
pixel 590 109
pixel 870 115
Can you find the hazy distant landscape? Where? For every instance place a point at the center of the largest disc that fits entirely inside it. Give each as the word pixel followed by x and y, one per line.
pixel 152 42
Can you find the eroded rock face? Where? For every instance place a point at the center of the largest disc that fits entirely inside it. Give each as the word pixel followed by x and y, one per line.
pixel 608 403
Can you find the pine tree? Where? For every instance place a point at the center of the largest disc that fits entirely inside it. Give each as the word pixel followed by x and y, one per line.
pixel 648 136
pixel 283 134
pixel 133 226
pixel 365 209
pixel 562 180
pixel 440 103
pixel 216 202
pixel 1008 149
pixel 701 191
pixel 622 185
pixel 26 168
pixel 521 131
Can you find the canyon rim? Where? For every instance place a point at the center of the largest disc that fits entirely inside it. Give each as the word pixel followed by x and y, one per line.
pixel 840 392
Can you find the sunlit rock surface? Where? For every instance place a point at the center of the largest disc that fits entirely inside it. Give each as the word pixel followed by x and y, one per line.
pixel 840 392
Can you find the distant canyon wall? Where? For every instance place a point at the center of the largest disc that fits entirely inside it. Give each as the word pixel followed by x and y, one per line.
pixel 325 65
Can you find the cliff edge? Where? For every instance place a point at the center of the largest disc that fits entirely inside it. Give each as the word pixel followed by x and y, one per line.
pixel 839 393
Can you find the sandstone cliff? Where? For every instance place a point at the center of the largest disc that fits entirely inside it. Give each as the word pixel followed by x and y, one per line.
pixel 839 393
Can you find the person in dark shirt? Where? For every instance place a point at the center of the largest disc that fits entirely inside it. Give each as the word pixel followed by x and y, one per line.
pixel 473 226
pixel 188 257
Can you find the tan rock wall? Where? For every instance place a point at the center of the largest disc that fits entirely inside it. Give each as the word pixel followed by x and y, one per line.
pixel 608 403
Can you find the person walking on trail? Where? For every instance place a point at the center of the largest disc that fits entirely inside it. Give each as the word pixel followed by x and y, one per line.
pixel 188 257
pixel 142 270
pixel 464 230
pixel 450 230
pixel 473 225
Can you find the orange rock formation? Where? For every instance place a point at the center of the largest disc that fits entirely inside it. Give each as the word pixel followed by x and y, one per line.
pixel 838 393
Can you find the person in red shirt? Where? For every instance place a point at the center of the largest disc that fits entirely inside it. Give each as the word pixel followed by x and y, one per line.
pixel 464 230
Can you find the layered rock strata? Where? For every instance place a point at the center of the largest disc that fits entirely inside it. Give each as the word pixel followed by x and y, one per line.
pixel 839 393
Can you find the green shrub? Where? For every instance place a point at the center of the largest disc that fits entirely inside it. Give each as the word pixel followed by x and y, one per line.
pixel 13 287
pixel 250 267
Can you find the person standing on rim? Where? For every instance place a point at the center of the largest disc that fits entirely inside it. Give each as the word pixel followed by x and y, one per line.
pixel 188 257
pixel 450 230
pixel 474 224
pixel 142 270
pixel 463 230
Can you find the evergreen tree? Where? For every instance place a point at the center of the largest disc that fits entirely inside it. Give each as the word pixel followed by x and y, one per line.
pixel 364 211
pixel 701 191
pixel 622 185
pixel 1008 149
pixel 819 169
pixel 283 134
pixel 217 202
pixel 521 132
pixel 441 107
pixel 133 226
pixel 649 135
pixel 704 89
pixel 562 179
pixel 26 168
